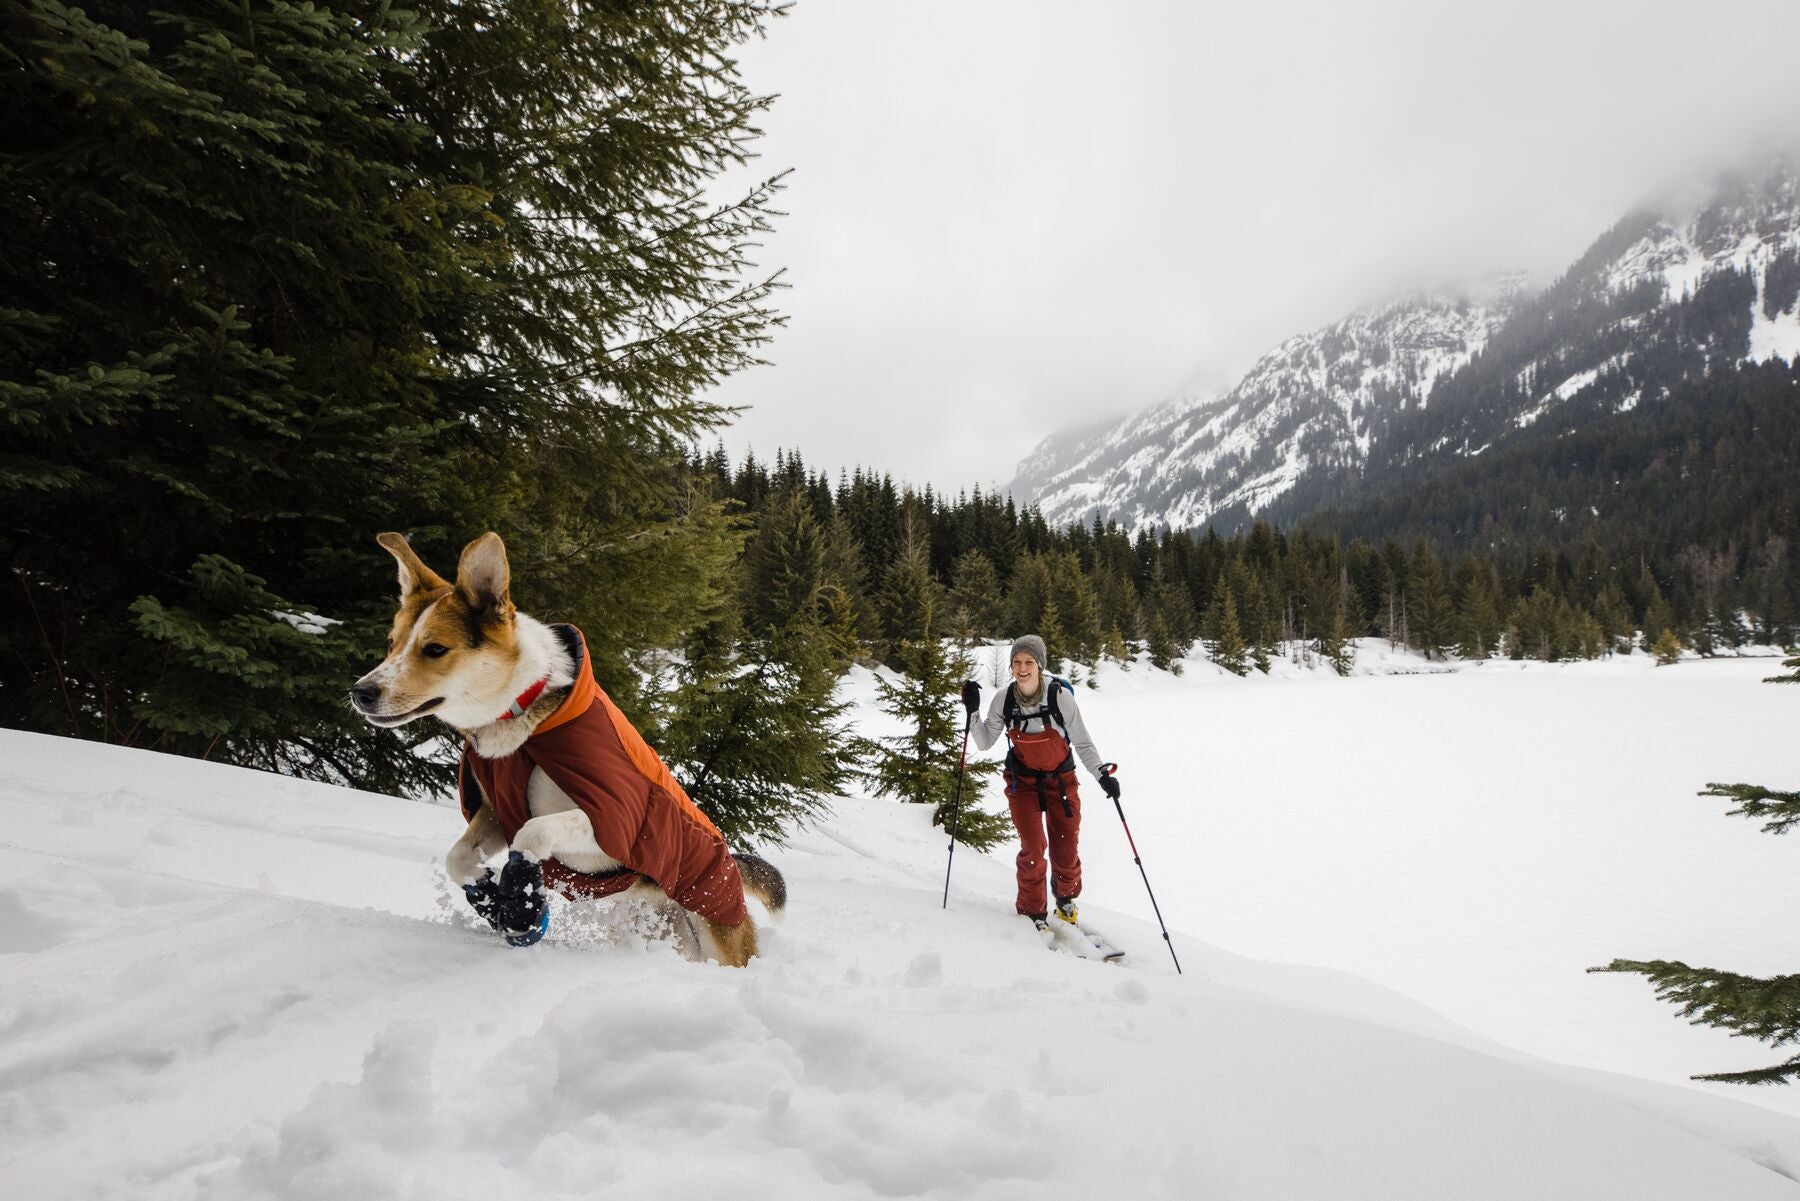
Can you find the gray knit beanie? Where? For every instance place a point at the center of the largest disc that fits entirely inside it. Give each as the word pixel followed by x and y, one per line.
pixel 1032 645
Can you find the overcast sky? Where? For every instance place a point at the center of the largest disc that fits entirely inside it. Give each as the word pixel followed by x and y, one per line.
pixel 1011 218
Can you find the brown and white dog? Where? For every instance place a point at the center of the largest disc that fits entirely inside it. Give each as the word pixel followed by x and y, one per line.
pixel 552 772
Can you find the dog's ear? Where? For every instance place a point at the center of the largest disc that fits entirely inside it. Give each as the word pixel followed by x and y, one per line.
pixel 483 579
pixel 414 575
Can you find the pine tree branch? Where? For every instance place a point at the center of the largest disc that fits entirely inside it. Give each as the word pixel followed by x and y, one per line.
pixel 1766 1010
pixel 1780 1073
pixel 1782 808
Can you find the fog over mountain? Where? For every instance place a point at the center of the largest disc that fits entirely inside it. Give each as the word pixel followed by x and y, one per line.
pixel 1386 392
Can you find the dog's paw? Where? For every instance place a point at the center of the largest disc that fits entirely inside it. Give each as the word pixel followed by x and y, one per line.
pixel 484 896
pixel 463 865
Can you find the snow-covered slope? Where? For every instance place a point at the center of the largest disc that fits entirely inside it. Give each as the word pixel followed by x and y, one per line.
pixel 1321 412
pixel 221 984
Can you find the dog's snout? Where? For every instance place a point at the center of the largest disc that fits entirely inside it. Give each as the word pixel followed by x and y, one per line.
pixel 365 695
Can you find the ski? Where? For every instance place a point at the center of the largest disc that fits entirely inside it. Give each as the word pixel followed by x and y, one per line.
pixel 1086 943
pixel 1075 939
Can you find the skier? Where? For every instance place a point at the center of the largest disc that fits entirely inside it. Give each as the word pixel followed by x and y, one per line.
pixel 1041 720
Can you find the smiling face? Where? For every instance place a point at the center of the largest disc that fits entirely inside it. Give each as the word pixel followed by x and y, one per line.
pixel 453 647
pixel 1026 673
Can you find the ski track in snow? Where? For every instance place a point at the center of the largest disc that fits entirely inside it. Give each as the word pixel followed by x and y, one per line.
pixel 222 984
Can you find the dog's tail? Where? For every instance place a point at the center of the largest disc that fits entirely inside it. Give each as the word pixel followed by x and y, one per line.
pixel 762 881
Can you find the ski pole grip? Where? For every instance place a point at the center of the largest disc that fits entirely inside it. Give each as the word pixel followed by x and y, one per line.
pixel 1107 769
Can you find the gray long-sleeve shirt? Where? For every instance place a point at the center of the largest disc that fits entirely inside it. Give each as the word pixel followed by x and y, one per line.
pixel 1037 716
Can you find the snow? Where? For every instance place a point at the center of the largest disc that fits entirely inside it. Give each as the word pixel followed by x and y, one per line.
pixel 307 623
pixel 1775 337
pixel 1383 889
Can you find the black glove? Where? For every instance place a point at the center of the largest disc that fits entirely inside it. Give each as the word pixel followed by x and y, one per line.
pixel 520 901
pixel 971 694
pixel 1110 786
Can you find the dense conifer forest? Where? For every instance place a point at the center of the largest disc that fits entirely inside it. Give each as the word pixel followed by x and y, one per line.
pixel 1677 518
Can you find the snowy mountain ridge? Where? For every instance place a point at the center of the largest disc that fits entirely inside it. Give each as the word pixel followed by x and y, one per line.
pixel 1323 412
pixel 1305 405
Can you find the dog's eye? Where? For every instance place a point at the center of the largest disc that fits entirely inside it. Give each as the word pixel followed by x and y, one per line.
pixel 435 650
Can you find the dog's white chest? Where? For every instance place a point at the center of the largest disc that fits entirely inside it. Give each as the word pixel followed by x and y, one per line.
pixel 571 834
pixel 544 796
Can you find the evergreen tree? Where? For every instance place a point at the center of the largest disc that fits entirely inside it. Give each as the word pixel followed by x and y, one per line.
pixel 784 567
pixel 975 601
pixel 1430 613
pixel 1666 648
pixel 1258 621
pixel 1614 616
pixel 1335 644
pixel 1078 609
pixel 1175 608
pixel 1159 643
pixel 920 765
pixel 1224 640
pixel 847 579
pixel 1659 619
pixel 339 270
pixel 1027 593
pixel 752 729
pixel 1766 1009
pixel 1478 620
pixel 908 604
pixel 1056 641
pixel 1119 608
pixel 1535 627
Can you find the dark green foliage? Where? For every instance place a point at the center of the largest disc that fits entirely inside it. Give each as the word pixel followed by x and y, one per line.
pixel 1793 676
pixel 784 568
pixel 277 277
pixel 752 731
pixel 1478 620
pixel 216 375
pixel 1764 1009
pixel 1781 284
pixel 908 604
pixel 1431 616
pixel 1768 1010
pixel 1224 639
pixel 1781 808
pixel 920 765
pixel 975 606
pixel 1028 592
pixel 1709 465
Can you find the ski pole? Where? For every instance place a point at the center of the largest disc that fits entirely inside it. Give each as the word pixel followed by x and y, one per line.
pixel 956 807
pixel 1107 769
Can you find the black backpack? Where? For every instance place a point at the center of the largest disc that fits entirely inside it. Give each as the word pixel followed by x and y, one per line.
pixel 1010 709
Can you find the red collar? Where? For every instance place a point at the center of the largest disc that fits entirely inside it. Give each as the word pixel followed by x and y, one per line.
pixel 523 701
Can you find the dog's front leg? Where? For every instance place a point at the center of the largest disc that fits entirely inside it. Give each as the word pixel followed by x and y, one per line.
pixel 568 837
pixel 480 842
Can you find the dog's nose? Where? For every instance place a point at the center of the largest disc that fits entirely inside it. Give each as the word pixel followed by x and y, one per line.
pixel 365 695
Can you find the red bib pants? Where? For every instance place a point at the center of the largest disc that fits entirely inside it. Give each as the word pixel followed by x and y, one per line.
pixel 1046 810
